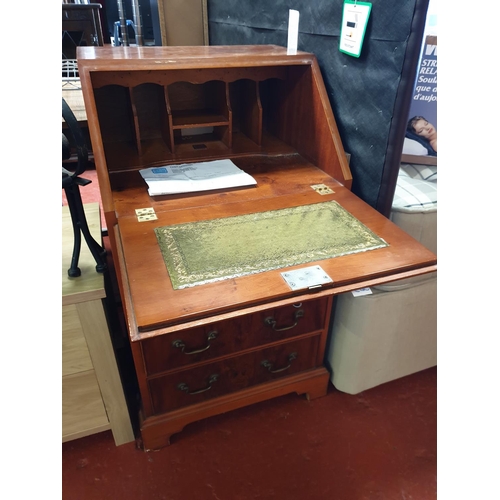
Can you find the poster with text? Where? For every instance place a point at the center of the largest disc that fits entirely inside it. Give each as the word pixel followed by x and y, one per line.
pixel 421 132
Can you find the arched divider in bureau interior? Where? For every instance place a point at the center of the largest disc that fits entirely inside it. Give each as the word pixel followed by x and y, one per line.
pixel 149 118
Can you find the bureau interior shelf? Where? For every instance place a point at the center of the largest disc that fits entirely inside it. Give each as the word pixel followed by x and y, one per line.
pixel 188 119
pixel 160 117
pixel 156 153
pixel 152 123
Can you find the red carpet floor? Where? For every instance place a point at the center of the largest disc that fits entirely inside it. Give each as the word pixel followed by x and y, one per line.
pixel 380 444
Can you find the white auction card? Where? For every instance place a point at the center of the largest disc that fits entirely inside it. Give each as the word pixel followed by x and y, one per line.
pixel 307 277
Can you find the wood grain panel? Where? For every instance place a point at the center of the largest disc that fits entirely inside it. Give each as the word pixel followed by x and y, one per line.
pixel 103 359
pixel 83 411
pixel 152 290
pixel 75 354
pixel 233 374
pixel 232 336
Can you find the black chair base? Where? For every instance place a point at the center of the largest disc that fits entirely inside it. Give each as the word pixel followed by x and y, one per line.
pixel 71 186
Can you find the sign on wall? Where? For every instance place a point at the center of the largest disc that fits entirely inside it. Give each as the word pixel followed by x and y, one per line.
pixel 421 135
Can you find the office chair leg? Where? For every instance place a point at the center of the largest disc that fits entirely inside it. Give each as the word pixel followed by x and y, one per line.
pixel 74 270
pixel 79 221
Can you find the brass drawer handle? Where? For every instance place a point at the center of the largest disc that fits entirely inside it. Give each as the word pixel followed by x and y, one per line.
pixel 180 344
pixel 269 365
pixel 272 322
pixel 184 387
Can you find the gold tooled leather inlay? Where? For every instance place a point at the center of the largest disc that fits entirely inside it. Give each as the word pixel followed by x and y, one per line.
pixel 211 250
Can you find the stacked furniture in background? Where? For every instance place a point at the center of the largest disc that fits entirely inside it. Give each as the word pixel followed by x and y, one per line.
pixel 391 332
pixel 81 25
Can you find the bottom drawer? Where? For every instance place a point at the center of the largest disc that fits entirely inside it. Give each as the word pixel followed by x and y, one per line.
pixel 208 381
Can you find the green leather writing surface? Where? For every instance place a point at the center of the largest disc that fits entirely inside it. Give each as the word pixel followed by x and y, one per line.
pixel 206 251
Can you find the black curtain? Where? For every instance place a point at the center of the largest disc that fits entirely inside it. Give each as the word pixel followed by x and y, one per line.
pixel 370 95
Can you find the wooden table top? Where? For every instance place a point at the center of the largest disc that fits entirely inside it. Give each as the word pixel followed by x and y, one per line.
pixel 156 305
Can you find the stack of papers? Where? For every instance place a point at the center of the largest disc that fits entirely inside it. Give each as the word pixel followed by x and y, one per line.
pixel 192 177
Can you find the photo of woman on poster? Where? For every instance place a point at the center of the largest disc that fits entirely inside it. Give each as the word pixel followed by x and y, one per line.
pixel 419 129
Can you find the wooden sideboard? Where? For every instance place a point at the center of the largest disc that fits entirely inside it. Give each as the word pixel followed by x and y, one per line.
pixel 210 348
pixel 93 399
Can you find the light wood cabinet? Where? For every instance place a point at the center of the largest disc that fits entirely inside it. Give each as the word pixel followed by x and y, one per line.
pixel 93 399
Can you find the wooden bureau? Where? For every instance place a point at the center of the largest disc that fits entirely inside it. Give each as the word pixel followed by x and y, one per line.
pixel 210 348
pixel 92 395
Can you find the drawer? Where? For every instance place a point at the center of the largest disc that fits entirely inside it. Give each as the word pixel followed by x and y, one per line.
pixel 210 380
pixel 221 338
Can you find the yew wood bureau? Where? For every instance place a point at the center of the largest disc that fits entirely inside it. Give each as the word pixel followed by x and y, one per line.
pixel 210 347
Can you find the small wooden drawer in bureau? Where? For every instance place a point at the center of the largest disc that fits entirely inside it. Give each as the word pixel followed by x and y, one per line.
pixel 221 338
pixel 209 380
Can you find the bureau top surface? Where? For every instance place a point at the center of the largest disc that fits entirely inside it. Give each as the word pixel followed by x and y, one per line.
pixel 123 58
pixel 157 305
